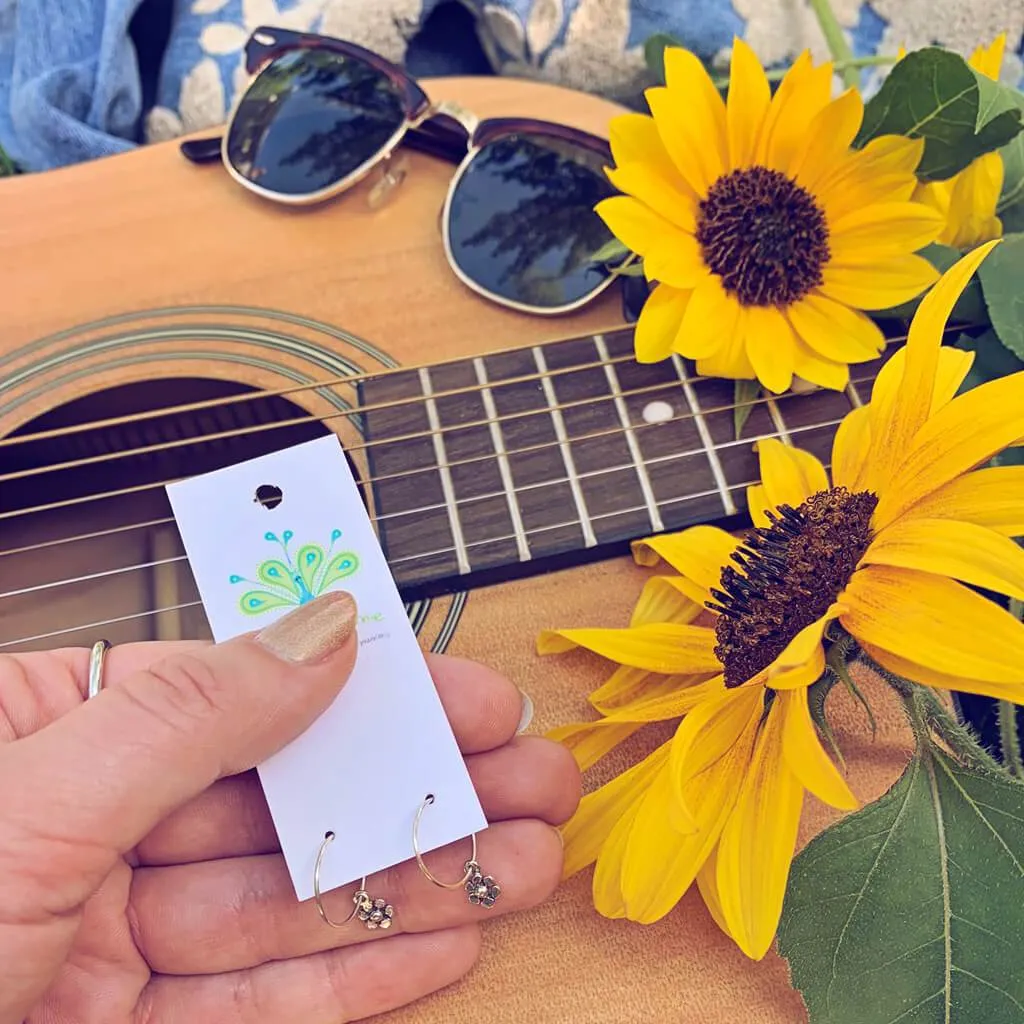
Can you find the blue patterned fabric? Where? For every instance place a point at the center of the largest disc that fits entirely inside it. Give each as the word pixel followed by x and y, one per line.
pixel 72 85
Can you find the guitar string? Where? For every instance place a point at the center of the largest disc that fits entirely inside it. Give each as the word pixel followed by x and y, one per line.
pixel 676 456
pixel 492 540
pixel 356 410
pixel 673 386
pixel 217 403
pixel 260 428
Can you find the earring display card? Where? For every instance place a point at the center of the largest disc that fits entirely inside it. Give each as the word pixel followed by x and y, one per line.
pixel 267 535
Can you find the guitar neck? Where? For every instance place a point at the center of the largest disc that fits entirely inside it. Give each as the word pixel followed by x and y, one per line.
pixel 517 463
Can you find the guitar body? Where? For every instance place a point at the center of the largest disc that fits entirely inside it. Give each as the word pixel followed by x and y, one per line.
pixel 142 281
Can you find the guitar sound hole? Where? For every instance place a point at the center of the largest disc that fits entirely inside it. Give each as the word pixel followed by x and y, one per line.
pixel 127 562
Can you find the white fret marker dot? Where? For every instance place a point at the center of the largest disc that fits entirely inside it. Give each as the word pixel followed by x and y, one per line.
pixel 657 412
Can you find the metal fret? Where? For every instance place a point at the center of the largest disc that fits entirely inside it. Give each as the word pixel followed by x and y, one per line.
pixel 777 420
pixel 851 394
pixel 447 487
pixel 504 469
pixel 705 436
pixel 630 435
pixel 589 540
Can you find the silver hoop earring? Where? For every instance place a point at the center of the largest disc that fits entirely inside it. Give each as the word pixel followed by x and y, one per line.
pixel 481 890
pixel 373 913
pixel 97 657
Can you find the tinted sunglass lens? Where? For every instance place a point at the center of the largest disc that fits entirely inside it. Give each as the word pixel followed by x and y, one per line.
pixel 310 119
pixel 522 224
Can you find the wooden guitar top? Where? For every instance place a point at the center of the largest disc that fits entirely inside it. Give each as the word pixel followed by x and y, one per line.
pixel 144 268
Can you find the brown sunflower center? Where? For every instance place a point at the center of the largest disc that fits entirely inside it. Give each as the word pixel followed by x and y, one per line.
pixel 764 236
pixel 786 576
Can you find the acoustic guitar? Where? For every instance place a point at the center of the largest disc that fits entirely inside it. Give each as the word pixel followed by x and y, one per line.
pixel 159 321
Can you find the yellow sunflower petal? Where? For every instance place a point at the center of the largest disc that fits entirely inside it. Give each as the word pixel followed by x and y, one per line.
pixel 626 686
pixel 803 661
pixel 707 734
pixel 758 842
pixel 972 203
pixel 771 347
pixel 661 601
pixel 935 622
pixel 699 553
pixel 758 504
pixel 690 117
pixel 790 475
pixel 943 680
pixel 805 755
pixel 598 812
pixel 898 413
pixel 881 285
pixel 883 171
pixel 658 647
pixel 749 99
pixel 676 203
pixel 952 366
pixel 635 140
pixel 826 373
pixel 993 498
pixel 970 553
pixel 707 882
pixel 989 59
pixel 962 435
pixel 851 449
pixel 712 317
pixel 590 741
pixel 803 92
pixel 882 230
pixel 730 359
pixel 659 323
pixel 670 254
pixel 661 863
pixel 834 331
pixel 829 137
pixel 607 883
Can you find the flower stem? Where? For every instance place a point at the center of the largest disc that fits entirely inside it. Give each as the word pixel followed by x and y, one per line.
pixel 837 44
pixel 1009 740
pixel 929 714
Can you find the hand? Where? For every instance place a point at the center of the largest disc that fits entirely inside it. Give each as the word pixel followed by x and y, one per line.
pixel 140 878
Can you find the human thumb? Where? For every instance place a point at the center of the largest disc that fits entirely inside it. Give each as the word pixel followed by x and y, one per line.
pixel 87 788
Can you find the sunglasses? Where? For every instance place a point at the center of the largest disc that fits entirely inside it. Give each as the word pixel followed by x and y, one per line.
pixel 518 222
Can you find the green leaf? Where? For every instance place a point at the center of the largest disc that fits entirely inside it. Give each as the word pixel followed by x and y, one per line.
pixel 7 165
pixel 910 910
pixel 745 393
pixel 970 307
pixel 1011 199
pixel 1001 274
pixel 654 53
pixel 935 95
pixel 611 252
pixel 991 359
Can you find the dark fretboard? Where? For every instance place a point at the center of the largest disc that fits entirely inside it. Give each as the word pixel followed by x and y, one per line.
pixel 514 478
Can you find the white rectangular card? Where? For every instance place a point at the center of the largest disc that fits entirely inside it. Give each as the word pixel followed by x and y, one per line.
pixel 363 768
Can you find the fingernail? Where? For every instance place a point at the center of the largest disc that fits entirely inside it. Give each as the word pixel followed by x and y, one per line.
pixel 313 631
pixel 527 714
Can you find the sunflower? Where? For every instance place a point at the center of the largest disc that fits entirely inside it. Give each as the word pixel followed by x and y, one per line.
pixel 967 201
pixel 766 232
pixel 884 550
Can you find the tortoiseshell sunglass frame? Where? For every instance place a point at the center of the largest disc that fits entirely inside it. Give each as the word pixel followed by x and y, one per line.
pixel 444 130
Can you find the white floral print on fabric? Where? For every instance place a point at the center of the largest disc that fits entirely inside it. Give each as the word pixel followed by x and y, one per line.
pixel 594 45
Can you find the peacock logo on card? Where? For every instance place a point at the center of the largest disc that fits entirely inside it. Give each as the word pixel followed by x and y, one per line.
pixel 295 580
